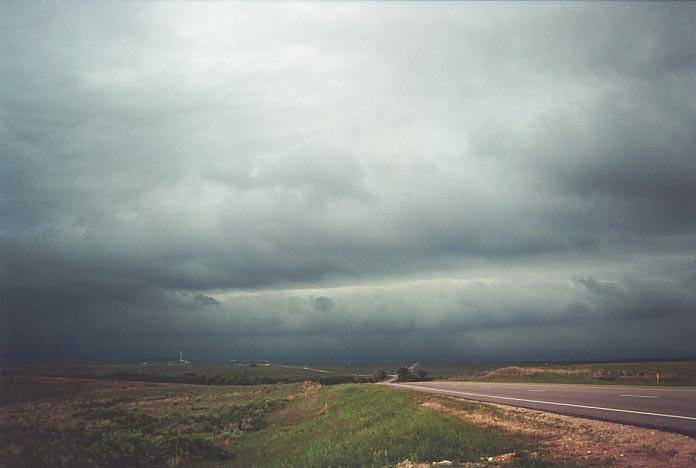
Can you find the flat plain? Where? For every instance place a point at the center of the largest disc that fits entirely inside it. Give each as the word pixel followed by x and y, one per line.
pixel 168 413
pixel 73 422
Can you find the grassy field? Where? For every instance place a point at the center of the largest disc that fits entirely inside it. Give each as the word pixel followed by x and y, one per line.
pixel 196 372
pixel 371 425
pixel 627 373
pixel 69 422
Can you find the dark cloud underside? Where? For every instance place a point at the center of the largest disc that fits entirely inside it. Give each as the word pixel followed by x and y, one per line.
pixel 349 181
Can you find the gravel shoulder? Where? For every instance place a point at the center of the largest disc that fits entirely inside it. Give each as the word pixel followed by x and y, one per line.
pixel 568 439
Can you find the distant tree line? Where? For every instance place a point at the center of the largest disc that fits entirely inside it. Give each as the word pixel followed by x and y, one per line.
pixel 220 379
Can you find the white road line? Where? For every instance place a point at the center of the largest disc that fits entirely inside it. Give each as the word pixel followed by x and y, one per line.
pixel 531 390
pixel 639 396
pixel 689 418
pixel 608 387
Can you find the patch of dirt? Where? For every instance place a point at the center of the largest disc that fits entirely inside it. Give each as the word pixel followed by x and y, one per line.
pixel 571 439
pixel 302 403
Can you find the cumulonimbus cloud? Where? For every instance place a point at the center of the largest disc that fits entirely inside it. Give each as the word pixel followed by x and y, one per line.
pixel 191 168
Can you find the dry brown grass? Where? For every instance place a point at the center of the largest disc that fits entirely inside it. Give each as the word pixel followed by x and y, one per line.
pixel 637 373
pixel 83 406
pixel 515 371
pixel 302 403
pixel 570 439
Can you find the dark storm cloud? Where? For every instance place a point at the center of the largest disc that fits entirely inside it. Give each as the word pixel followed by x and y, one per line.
pixel 457 180
pixel 630 157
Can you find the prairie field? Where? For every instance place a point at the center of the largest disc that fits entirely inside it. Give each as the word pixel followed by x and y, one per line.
pixel 223 373
pixel 73 422
pixel 682 372
pixel 83 415
pixel 619 373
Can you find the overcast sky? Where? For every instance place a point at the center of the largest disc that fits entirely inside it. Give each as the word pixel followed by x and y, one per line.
pixel 347 181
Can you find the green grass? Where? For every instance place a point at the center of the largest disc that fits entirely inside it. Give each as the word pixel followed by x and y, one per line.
pixel 106 423
pixel 361 425
pixel 129 424
pixel 81 422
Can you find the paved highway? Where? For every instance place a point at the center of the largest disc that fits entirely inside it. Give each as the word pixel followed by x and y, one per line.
pixel 670 408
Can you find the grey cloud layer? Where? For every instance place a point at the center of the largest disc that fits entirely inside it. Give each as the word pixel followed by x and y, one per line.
pixel 156 157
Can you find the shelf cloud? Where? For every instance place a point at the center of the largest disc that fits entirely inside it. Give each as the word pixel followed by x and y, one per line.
pixel 441 181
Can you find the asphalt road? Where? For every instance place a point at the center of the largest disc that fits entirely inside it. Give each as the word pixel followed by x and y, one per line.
pixel 670 408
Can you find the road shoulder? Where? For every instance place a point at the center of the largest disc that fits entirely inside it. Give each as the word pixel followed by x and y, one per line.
pixel 572 439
